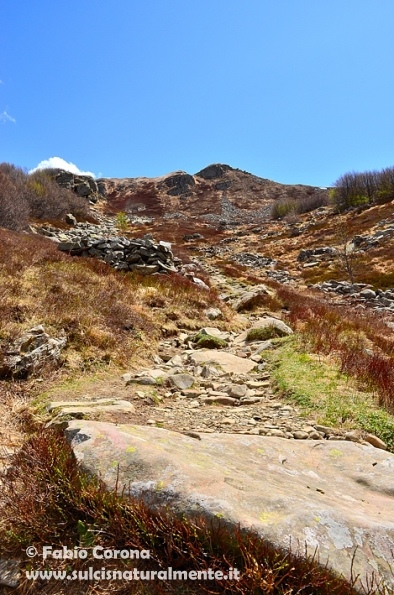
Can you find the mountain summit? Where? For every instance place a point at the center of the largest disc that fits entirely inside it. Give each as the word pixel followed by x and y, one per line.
pixel 199 194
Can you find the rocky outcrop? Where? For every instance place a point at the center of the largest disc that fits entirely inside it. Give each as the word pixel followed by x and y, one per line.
pixel 216 170
pixel 333 497
pixel 29 353
pixel 84 186
pixel 177 184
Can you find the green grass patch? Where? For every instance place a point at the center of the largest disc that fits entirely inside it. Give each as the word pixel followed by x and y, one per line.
pixel 322 393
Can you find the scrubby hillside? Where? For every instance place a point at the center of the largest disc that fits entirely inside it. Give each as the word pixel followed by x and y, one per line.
pixel 216 191
pixel 119 345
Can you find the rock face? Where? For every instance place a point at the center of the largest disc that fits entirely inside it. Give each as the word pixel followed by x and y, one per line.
pixel 336 497
pixel 30 352
pixel 82 185
pixel 177 184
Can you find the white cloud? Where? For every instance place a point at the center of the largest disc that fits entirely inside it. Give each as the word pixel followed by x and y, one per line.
pixel 4 117
pixel 59 163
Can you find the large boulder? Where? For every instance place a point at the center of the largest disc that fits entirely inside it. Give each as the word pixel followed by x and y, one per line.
pixel 31 352
pixel 252 298
pixel 334 497
pixel 262 329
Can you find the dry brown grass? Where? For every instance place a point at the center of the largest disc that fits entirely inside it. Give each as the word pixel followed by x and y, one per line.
pixel 106 315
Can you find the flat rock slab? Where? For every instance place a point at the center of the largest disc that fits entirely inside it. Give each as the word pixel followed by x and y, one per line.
pixel 335 496
pixel 88 408
pixel 98 404
pixel 227 361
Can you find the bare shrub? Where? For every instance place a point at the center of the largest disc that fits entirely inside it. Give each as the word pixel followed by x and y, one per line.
pixel 366 188
pixel 47 200
pixel 36 196
pixel 14 209
pixel 312 202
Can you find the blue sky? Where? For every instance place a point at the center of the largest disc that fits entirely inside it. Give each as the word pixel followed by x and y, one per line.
pixel 298 91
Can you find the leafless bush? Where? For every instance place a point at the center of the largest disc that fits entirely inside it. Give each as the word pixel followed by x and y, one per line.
pixel 312 202
pixel 366 188
pixel 14 209
pixel 37 196
pixel 47 200
pixel 286 207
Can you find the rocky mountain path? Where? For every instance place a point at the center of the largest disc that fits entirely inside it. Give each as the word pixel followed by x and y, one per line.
pixel 226 388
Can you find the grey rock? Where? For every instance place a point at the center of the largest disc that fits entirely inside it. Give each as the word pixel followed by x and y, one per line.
pixel 70 219
pixel 219 400
pixel 213 313
pixel 227 361
pixel 335 497
pixel 237 391
pixel 300 435
pixel 181 381
pixel 31 352
pixel 10 572
pixel 368 294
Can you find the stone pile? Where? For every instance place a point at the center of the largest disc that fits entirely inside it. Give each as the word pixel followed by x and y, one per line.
pixel 142 255
pixel 105 227
pixel 377 299
pixel 368 241
pixel 232 216
pixel 100 241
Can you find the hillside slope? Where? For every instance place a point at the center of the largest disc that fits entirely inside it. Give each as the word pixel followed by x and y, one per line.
pixel 208 192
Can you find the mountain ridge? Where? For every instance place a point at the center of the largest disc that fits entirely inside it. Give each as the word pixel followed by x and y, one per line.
pixel 200 193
